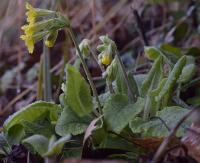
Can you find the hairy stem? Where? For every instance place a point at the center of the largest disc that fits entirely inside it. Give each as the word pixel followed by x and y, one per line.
pixel 46 74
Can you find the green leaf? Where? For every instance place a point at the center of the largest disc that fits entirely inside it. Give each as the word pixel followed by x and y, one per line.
pixel 188 73
pixel 121 84
pixel 70 123
pixel 153 78
pixel 154 106
pixel 155 128
pixel 42 127
pixel 193 51
pixel 172 78
pixel 4 144
pixel 55 147
pixel 151 52
pixel 45 147
pixel 37 143
pixel 171 52
pixel 15 134
pixel 118 112
pixel 77 92
pixel 32 112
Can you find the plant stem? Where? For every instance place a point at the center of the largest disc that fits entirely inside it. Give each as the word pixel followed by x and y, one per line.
pixel 89 77
pixel 125 76
pixel 140 27
pixel 40 80
pixel 46 74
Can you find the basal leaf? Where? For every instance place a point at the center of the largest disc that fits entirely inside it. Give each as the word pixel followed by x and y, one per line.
pixel 153 78
pixel 42 127
pixel 77 92
pixel 155 128
pixel 122 87
pixel 37 143
pixel 32 112
pixel 43 146
pixel 187 73
pixel 55 147
pixel 171 52
pixel 15 134
pixel 70 123
pixel 118 112
pixel 151 52
pixel 172 78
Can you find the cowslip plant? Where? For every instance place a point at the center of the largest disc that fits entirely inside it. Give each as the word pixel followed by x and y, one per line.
pixel 136 108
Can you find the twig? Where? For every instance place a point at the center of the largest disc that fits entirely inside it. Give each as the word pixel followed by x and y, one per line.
pixel 140 27
pixel 161 150
pixel 180 102
pixel 167 127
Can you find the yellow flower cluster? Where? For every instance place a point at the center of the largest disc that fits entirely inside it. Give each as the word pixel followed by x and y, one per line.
pixel 29 29
pixel 31 13
pixel 35 31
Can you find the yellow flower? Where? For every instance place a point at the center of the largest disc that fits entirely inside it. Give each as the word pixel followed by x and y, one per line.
pixel 106 59
pixel 31 13
pixel 29 41
pixel 28 29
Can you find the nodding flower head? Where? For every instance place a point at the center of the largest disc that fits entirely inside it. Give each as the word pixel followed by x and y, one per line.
pixel 49 25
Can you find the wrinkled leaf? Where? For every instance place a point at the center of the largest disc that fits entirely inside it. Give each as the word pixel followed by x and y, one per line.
pixel 153 78
pixel 44 146
pixel 55 147
pixel 172 78
pixel 155 128
pixel 32 112
pixel 188 73
pixel 15 134
pixel 77 92
pixel 70 123
pixel 118 112
pixel 37 143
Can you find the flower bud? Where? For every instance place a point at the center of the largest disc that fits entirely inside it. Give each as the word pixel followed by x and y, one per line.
pixel 51 39
pixel 111 71
pixel 85 47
